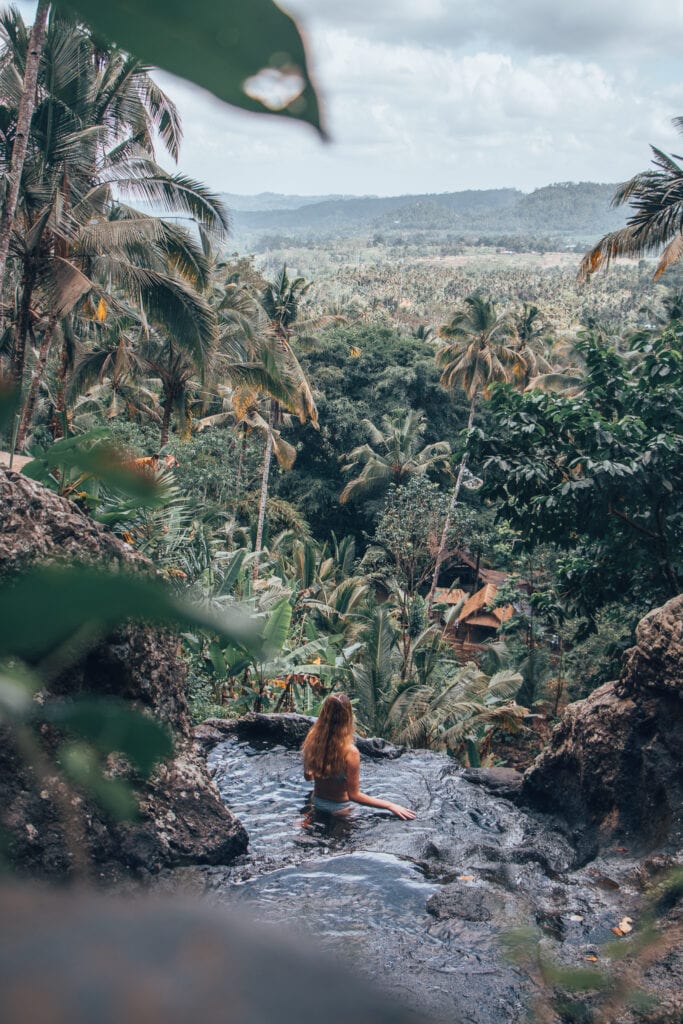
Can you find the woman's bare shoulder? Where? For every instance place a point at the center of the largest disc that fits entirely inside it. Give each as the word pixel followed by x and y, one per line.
pixel 352 755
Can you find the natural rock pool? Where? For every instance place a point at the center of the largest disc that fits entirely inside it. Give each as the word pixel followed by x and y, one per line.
pixel 420 906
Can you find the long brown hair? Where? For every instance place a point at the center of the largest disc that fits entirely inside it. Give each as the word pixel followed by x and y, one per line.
pixel 325 747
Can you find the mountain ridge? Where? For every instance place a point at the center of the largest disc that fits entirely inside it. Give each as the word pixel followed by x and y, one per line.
pixel 562 208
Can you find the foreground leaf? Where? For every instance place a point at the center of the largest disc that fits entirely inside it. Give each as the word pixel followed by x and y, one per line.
pixel 49 606
pixel 221 46
pixel 80 765
pixel 111 727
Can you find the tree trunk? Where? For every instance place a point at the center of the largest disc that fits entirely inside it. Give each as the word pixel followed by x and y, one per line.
pixel 21 137
pixel 264 489
pixel 23 324
pixel 165 423
pixel 240 460
pixel 59 413
pixel 441 554
pixel 38 375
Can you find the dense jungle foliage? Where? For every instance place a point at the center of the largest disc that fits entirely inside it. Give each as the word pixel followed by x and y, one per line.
pixel 330 437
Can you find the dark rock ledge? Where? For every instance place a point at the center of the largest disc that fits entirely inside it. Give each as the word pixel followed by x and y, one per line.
pixel 614 764
pixel 182 818
pixel 288 730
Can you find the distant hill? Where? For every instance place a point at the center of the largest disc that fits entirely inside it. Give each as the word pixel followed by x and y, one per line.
pixel 566 209
pixel 273 201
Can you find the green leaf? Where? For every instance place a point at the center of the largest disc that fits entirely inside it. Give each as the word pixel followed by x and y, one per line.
pixel 221 46
pixel 9 404
pixel 232 572
pixel 217 660
pixel 15 696
pixel 80 764
pixel 236 660
pixel 238 666
pixel 112 727
pixel 277 628
pixel 89 454
pixel 64 600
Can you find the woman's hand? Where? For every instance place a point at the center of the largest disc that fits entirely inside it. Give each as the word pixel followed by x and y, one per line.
pixel 401 812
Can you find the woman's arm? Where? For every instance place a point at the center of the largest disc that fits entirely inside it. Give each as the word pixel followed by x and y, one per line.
pixel 353 788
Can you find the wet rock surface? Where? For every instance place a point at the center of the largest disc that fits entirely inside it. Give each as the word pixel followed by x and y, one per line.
pixel 419 907
pixel 614 765
pixel 504 782
pixel 182 818
pixel 287 730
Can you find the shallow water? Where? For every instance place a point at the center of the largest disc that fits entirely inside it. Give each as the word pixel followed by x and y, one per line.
pixel 333 879
pixel 266 789
pixel 360 885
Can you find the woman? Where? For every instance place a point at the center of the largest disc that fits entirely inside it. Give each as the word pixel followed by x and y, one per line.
pixel 331 759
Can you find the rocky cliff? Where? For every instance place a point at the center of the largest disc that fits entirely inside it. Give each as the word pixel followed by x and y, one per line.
pixel 182 819
pixel 614 765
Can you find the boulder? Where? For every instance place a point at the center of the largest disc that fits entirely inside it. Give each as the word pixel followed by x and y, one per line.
pixel 287 730
pixel 505 782
pixel 613 768
pixel 182 819
pixel 465 904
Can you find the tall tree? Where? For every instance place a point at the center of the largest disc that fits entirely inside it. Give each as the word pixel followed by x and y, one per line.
pixel 79 252
pixel 480 347
pixel 21 134
pixel 281 302
pixel 392 455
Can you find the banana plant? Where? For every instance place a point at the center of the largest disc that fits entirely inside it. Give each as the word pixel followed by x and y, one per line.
pixel 279 673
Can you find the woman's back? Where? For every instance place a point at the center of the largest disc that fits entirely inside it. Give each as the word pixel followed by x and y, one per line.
pixel 332 762
pixel 333 787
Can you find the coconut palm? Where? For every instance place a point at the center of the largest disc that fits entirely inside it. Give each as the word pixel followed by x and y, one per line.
pixel 391 456
pixel 531 329
pixel 111 378
pixel 27 97
pixel 656 198
pixel 280 375
pixel 77 251
pixel 480 347
pixel 374 672
pixel 461 709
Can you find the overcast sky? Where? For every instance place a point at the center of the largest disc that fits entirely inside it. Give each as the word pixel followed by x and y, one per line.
pixel 441 95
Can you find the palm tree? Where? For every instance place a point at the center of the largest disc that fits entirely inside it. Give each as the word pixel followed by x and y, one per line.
pixel 531 329
pixel 460 709
pixel 22 130
pixel 281 375
pixel 391 456
pixel 656 197
pixel 79 253
pixel 481 347
pixel 375 670
pixel 110 377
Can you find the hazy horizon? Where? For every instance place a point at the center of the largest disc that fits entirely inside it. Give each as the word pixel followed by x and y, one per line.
pixel 398 195
pixel 451 96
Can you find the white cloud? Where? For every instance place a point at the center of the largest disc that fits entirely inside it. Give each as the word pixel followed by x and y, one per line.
pixel 541 26
pixel 411 117
pixel 447 94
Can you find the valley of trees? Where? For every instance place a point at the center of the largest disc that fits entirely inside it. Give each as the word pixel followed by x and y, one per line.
pixel 337 438
pixel 423 450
